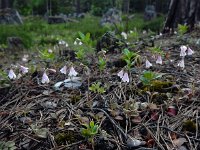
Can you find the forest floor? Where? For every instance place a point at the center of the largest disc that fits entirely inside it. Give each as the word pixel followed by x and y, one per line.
pixel 164 114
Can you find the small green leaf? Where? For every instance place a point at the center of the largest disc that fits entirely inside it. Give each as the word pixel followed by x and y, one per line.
pixel 87 37
pixel 91 124
pixel 82 36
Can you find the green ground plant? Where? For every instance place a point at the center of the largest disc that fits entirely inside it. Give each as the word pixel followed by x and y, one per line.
pixel 36 31
pixel 156 50
pixel 182 29
pixel 10 145
pixel 148 77
pixel 102 63
pixel 96 88
pixel 90 131
pixel 130 57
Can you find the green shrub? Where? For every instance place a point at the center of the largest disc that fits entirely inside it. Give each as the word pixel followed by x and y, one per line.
pixel 155 24
pixel 15 31
pixel 139 23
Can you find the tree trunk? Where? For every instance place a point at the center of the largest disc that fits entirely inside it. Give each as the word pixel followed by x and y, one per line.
pixel 182 12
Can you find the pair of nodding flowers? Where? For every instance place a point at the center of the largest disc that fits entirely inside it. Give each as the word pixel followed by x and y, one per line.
pixel 158 61
pixel 22 69
pixel 183 53
pixel 72 72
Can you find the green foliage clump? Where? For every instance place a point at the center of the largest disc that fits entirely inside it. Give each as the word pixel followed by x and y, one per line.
pixel 4 80
pixel 46 56
pixel 155 24
pixel 182 29
pixel 96 88
pixel 148 76
pixel 102 63
pixel 48 40
pixel 90 130
pixel 84 47
pixel 10 145
pixel 85 38
pixel 140 24
pixel 15 31
pixel 131 58
pixel 134 35
pixel 156 50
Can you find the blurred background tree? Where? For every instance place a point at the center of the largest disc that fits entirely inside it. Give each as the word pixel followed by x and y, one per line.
pixel 96 7
pixel 185 12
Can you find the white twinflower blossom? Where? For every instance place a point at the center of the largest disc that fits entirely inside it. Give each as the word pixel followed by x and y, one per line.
pixel 45 78
pixel 159 60
pixel 61 42
pixel 50 51
pixel 120 74
pixel 11 74
pixel 25 58
pixel 80 43
pixel 144 32
pixel 72 72
pixel 125 78
pixel 148 64
pixel 190 51
pixel 64 70
pixel 181 63
pixel 75 42
pixel 124 35
pixel 123 75
pixel 23 69
pixel 183 51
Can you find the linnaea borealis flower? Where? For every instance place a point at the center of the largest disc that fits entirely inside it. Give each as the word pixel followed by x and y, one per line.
pixel 125 78
pixel 23 69
pixel 181 63
pixel 123 75
pixel 72 72
pixel 148 64
pixel 120 74
pixel 75 42
pixel 61 42
pixel 11 74
pixel 183 51
pixel 64 70
pixel 144 32
pixel 78 42
pixel 45 78
pixel 25 58
pixel 190 51
pixel 50 51
pixel 159 60
pixel 124 35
